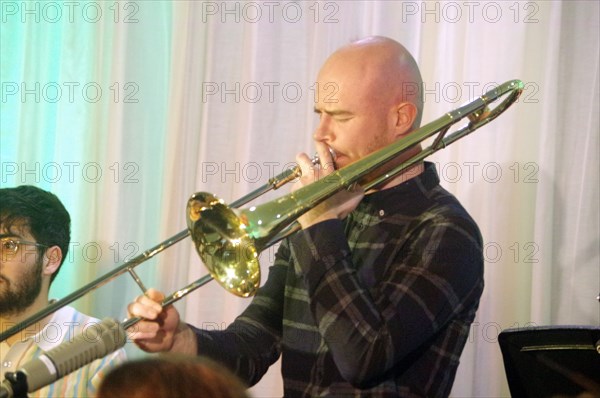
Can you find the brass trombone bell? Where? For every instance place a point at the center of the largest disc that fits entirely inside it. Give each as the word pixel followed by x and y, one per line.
pixel 226 250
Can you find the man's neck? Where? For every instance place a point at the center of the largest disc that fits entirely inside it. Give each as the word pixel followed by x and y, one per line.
pixel 406 175
pixel 6 322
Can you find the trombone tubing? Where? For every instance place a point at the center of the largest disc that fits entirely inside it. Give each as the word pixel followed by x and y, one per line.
pixel 265 221
pixel 440 126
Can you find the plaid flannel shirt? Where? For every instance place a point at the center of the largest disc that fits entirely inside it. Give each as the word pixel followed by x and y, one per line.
pixel 377 305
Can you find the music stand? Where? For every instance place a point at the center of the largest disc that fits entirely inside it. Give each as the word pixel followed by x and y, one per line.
pixel 552 361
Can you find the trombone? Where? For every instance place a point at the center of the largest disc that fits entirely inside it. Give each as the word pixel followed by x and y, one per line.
pixel 229 239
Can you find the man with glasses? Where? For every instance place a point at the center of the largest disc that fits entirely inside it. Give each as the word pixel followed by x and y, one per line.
pixel 34 240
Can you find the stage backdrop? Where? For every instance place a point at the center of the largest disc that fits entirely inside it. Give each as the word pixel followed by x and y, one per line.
pixel 126 108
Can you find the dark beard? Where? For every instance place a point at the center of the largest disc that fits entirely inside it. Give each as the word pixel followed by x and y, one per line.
pixel 14 301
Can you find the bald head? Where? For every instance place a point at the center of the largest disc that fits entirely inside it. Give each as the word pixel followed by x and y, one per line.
pixel 381 69
pixel 368 97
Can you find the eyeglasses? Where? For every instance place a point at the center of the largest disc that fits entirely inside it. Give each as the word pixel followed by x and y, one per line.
pixel 11 245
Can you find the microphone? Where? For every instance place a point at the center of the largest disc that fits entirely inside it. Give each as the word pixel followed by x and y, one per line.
pixel 67 357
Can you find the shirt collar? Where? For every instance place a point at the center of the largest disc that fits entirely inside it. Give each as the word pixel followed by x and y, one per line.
pixel 403 196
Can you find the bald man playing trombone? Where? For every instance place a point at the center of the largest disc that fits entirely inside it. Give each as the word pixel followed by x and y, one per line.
pixel 375 295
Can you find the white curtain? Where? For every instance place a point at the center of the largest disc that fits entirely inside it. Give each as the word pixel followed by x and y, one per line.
pixel 124 109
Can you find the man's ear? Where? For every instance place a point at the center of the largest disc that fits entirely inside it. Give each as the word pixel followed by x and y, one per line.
pixel 52 259
pixel 406 113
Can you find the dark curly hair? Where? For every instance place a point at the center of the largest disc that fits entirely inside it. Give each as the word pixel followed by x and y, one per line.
pixel 48 220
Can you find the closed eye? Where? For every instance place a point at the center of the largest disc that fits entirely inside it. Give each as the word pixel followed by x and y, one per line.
pixel 338 115
pixel 343 118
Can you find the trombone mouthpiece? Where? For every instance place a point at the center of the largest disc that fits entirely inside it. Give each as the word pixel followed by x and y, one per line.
pixel 316 159
pixel 333 154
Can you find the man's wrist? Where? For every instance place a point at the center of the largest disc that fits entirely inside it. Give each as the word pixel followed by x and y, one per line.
pixel 184 340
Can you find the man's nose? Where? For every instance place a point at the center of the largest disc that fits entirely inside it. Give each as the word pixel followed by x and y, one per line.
pixel 324 132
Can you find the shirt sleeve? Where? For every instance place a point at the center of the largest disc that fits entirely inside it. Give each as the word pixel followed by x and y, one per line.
pixel 435 277
pixel 252 342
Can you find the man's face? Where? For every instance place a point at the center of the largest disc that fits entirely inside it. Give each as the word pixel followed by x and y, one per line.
pixel 20 273
pixel 355 118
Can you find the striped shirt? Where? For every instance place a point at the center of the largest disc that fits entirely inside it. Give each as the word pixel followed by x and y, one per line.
pixel 65 324
pixel 378 305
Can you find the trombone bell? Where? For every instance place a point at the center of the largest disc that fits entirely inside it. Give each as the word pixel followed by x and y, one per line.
pixel 223 245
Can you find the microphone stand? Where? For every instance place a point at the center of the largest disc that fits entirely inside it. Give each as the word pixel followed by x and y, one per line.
pixel 14 385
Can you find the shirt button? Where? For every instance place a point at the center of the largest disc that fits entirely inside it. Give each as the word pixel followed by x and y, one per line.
pixel 381 213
